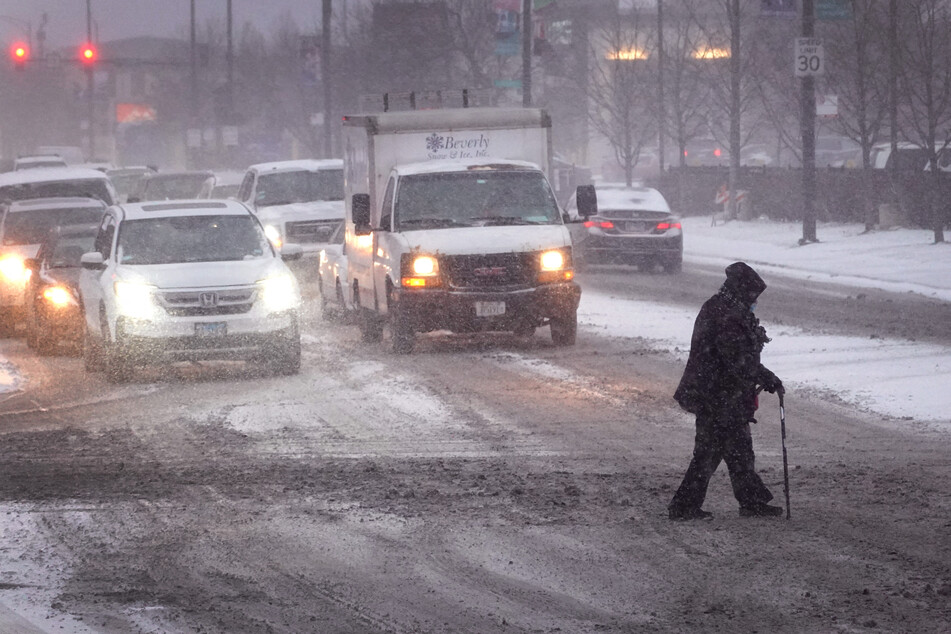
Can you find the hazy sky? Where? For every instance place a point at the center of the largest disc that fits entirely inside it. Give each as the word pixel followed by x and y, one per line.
pixel 117 19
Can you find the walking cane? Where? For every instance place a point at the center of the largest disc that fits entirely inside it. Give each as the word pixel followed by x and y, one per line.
pixel 782 426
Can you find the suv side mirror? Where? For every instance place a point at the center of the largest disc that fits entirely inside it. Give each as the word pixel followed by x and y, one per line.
pixel 587 201
pixel 133 199
pixel 291 252
pixel 92 261
pixel 360 213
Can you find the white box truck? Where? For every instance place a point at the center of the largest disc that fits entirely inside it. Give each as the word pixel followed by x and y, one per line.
pixel 451 224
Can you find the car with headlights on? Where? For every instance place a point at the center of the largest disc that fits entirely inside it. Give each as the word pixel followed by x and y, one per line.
pixel 52 310
pixel 632 225
pixel 187 280
pixel 23 227
pixel 299 201
pixel 332 276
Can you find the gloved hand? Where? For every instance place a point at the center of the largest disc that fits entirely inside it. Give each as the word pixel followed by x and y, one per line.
pixel 772 384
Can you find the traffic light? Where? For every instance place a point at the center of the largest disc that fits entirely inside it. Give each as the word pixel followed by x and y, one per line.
pixel 88 54
pixel 20 53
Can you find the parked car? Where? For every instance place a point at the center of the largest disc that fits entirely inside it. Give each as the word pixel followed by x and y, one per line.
pixel 57 182
pixel 52 309
pixel 34 161
pixel 187 280
pixel 297 201
pixel 23 227
pixel 705 152
pixel 632 226
pixel 126 179
pixel 173 186
pixel 332 276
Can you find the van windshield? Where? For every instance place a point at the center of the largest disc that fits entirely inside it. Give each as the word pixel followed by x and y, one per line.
pixel 470 199
pixel 302 186
pixel 180 239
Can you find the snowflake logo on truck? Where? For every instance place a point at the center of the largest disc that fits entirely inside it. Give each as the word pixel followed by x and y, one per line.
pixel 434 142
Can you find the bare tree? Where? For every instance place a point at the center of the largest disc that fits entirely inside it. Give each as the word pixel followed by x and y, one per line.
pixel 620 86
pixel 926 84
pixel 859 49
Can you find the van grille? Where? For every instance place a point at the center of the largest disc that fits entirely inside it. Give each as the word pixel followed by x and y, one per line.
pixel 496 271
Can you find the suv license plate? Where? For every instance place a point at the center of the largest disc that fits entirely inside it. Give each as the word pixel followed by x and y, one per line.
pixel 489 309
pixel 212 329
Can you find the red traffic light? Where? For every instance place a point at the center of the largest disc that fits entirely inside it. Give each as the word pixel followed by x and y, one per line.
pixel 88 54
pixel 20 52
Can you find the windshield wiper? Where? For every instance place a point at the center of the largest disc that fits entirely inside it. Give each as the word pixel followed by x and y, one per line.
pixel 504 220
pixel 433 222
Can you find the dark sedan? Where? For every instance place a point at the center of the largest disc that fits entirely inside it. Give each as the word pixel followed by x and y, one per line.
pixel 53 314
pixel 632 225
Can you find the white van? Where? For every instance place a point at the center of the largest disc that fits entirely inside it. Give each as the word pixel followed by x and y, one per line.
pixel 452 225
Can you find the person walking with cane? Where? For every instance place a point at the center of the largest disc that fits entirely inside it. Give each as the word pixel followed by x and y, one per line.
pixel 720 384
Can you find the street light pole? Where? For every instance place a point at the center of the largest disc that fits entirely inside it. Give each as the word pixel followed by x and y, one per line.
pixel 808 127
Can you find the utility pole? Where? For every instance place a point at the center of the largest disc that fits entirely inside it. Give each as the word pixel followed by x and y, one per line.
pixel 230 26
pixel 90 88
pixel 661 106
pixel 893 80
pixel 735 70
pixel 527 53
pixel 808 126
pixel 325 72
pixel 194 63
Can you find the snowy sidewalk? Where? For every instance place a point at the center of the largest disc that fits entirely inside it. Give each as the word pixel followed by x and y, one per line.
pixel 902 379
pixel 898 260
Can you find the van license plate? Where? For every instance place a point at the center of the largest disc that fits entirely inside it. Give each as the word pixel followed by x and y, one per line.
pixel 489 309
pixel 211 329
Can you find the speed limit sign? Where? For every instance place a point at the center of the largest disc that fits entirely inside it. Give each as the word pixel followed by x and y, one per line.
pixel 810 57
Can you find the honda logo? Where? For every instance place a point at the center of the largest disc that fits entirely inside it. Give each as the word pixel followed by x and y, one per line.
pixel 208 300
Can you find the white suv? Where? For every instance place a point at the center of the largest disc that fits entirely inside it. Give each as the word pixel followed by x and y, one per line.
pixel 187 280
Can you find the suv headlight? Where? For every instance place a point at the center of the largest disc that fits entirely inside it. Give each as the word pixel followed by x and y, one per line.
pixel 134 299
pixel 279 293
pixel 274 235
pixel 13 269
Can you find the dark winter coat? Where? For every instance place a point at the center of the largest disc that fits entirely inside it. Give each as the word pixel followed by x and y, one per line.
pixel 723 369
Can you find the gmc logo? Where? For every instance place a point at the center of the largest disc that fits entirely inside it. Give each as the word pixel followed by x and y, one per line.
pixel 489 271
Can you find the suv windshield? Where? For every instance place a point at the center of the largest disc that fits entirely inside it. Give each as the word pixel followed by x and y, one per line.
pixel 299 187
pixel 84 188
pixel 475 199
pixel 31 227
pixel 178 239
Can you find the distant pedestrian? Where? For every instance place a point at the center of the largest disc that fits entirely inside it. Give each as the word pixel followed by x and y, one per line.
pixel 720 385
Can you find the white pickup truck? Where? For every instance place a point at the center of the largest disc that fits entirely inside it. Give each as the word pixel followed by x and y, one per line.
pixel 451 224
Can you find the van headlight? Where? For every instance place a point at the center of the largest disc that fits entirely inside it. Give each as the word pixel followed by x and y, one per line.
pixel 554 266
pixel 274 235
pixel 552 261
pixel 279 293
pixel 134 299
